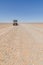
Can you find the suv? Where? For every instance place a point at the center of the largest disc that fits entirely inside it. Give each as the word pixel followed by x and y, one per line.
pixel 15 23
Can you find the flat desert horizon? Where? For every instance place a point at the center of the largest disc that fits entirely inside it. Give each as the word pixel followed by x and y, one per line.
pixel 21 45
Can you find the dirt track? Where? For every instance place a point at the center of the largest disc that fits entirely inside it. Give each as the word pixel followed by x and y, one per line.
pixel 21 45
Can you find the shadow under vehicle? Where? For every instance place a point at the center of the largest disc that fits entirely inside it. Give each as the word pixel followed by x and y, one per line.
pixel 15 23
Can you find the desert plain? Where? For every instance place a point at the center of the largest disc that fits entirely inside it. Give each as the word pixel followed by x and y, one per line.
pixel 21 45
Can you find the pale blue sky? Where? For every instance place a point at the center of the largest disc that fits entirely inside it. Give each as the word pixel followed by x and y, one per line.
pixel 22 10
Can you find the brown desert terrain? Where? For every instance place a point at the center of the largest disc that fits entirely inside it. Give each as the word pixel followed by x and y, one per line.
pixel 21 45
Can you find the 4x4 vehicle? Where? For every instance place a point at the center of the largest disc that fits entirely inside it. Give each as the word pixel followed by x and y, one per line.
pixel 15 23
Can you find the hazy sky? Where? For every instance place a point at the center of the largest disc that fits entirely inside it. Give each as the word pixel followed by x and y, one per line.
pixel 22 10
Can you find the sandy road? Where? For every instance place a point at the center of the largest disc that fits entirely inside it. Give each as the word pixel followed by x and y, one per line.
pixel 21 45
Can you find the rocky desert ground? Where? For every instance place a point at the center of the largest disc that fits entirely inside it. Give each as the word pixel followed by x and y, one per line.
pixel 21 45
